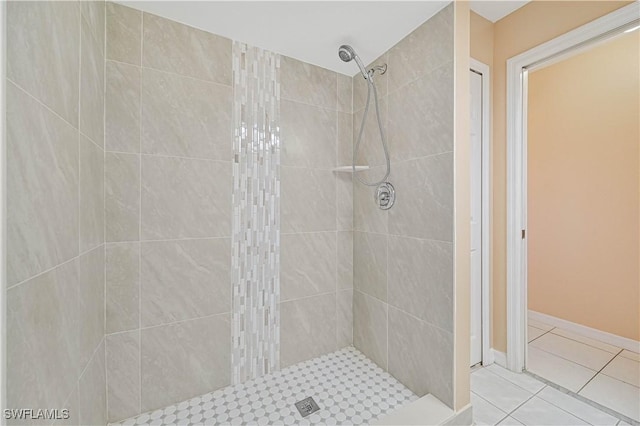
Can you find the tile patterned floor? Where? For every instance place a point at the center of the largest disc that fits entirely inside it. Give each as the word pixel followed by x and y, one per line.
pixel 348 387
pixel 501 397
pixel 603 373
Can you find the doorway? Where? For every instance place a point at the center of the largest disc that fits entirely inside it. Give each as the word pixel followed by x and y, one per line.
pixel 564 347
pixel 479 213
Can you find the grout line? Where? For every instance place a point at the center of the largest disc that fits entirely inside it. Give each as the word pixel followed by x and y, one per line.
pixel 306 297
pixel 311 232
pixel 146 154
pixel 492 404
pixel 546 332
pixel 403 236
pixel 296 101
pixel 140 221
pixel 513 383
pixel 579 397
pixel 43 104
pixel 528 399
pixel 590 345
pixel 599 371
pixel 51 269
pixel 573 361
pixel 144 67
pixel 389 305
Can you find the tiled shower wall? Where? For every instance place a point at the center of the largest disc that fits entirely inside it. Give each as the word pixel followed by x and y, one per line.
pixel 168 211
pixel 403 257
pixel 55 211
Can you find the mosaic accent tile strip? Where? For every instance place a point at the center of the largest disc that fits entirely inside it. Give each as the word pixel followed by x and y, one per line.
pixel 347 386
pixel 256 213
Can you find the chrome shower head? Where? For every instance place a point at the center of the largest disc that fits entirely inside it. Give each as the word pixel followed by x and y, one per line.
pixel 347 54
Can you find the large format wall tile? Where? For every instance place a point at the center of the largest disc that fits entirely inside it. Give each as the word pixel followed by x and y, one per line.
pixel 92 395
pixel 308 136
pixel 306 83
pixel 345 260
pixel 42 161
pixel 425 49
pixel 307 328
pixel 72 405
pixel 123 375
pixel 91 303
pixel 308 200
pixel 43 53
pixel 122 197
pixel 345 139
pixel 184 280
pixel 421 116
pixel 422 356
pixel 345 93
pixel 367 216
pixel 370 327
pixel 421 279
pixel 307 264
pixel 425 208
pixel 178 48
pixel 344 321
pixel 185 117
pixel 183 198
pixel 42 318
pixel 123 286
pixel 91 87
pixel 122 107
pixel 183 360
pixel 124 34
pixel 344 201
pixel 91 213
pixel 370 264
pixel 94 13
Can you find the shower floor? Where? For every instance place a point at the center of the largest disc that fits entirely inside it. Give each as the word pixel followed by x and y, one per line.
pixel 347 386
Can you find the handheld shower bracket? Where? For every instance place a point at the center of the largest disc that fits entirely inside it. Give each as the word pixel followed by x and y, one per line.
pixel 380 69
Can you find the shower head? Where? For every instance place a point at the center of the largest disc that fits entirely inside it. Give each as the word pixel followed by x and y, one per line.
pixel 347 54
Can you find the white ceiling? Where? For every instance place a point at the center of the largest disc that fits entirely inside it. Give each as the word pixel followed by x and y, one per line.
pixel 496 9
pixel 312 31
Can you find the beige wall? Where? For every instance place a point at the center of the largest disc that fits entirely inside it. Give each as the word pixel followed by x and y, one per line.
pixel 481 39
pixel 462 201
pixel 583 188
pixel 527 27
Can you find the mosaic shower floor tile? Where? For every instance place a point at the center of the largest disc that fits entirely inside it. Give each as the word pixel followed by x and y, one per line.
pixel 347 387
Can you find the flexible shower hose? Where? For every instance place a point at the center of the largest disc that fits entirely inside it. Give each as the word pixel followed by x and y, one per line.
pixel 356 149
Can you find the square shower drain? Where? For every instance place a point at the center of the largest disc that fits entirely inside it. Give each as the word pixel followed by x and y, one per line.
pixel 307 406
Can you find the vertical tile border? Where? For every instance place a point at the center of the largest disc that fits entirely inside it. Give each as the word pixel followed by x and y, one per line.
pixel 256 213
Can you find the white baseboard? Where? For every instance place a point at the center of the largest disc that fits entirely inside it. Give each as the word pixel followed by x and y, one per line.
pixel 583 330
pixel 499 358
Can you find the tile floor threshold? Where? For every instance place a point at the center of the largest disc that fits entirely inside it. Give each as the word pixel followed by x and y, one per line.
pixel 347 386
pixel 603 374
pixel 502 397
pixel 624 419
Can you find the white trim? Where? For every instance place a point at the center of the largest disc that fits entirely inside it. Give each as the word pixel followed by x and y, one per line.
pixel 583 330
pixel 481 68
pixel 516 167
pixel 500 358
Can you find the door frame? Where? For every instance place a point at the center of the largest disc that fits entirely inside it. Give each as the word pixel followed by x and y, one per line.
pixel 518 66
pixel 485 250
